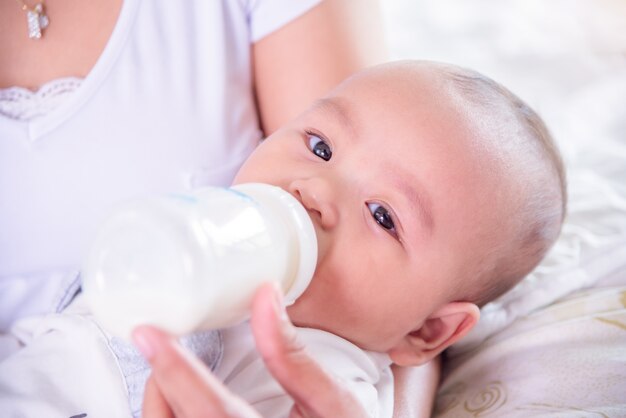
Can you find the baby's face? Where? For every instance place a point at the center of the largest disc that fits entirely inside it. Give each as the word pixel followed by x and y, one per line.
pixel 391 175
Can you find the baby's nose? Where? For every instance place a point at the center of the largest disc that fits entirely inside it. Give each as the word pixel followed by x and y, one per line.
pixel 317 196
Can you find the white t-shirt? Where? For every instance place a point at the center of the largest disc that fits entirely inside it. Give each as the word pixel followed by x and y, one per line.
pixel 168 106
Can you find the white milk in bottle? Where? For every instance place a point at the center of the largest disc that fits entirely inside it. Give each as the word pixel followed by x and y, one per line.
pixel 192 261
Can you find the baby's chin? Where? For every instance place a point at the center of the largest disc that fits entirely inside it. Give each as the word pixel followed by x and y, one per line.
pixel 304 314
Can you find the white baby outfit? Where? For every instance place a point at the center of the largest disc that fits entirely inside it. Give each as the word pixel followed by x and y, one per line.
pixel 67 366
pixel 366 374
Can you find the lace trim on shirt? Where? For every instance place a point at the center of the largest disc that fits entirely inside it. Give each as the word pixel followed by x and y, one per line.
pixel 22 104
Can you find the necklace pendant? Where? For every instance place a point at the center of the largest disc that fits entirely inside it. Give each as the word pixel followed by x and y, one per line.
pixel 37 21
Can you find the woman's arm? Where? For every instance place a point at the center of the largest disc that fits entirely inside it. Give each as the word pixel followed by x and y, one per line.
pixel 303 60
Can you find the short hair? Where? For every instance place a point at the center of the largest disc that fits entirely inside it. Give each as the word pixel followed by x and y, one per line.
pixel 544 210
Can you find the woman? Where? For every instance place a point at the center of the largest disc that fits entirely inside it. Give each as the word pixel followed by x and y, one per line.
pixel 139 97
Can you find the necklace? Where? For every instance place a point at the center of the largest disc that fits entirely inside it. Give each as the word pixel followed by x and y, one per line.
pixel 36 18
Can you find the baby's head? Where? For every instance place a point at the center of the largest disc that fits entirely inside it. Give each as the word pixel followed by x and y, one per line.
pixel 432 189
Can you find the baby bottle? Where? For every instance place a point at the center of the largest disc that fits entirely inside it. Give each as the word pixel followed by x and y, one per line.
pixel 192 261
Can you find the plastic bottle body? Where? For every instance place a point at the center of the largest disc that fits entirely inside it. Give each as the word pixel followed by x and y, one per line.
pixel 193 261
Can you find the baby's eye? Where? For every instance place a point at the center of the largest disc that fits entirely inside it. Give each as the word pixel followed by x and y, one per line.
pixel 382 217
pixel 319 147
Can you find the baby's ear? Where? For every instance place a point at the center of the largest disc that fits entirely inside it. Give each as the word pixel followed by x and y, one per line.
pixel 441 329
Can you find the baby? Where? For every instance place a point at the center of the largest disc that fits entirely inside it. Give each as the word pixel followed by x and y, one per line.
pixel 432 190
